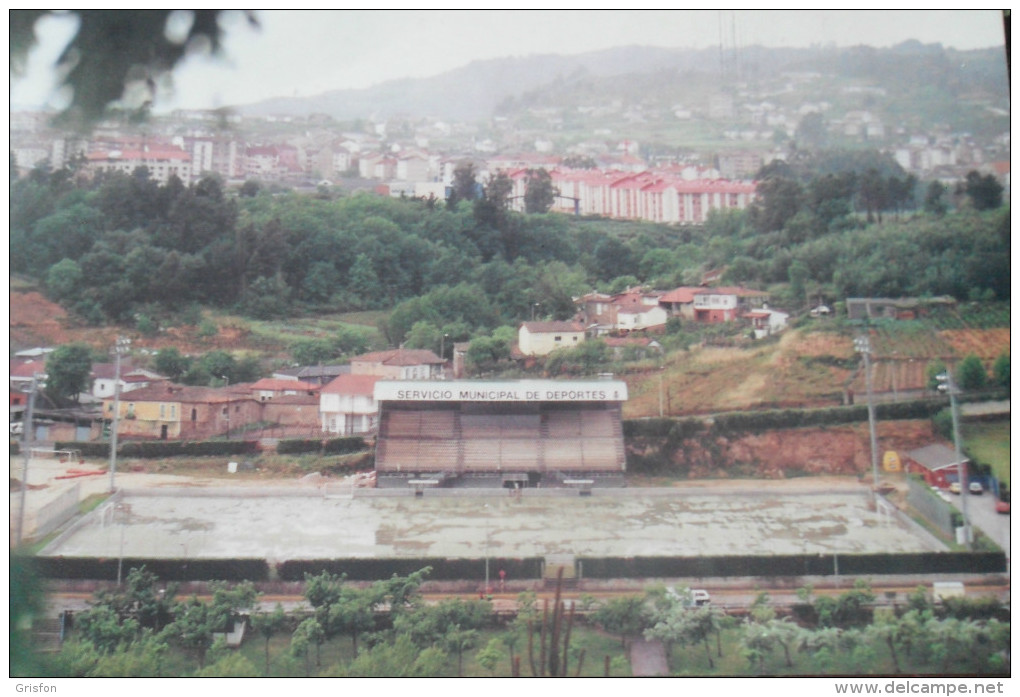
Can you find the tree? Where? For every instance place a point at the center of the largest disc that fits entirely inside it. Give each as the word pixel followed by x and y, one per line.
pixel 465 185
pixel 268 625
pixel 354 612
pixel 64 280
pixel 778 200
pixel 935 198
pixel 68 369
pixel 798 273
pixel 459 640
pixel 171 363
pixel 491 208
pixel 625 616
pixel 1000 369
pixel 677 621
pixel 490 656
pixel 539 194
pixel 811 131
pixel 309 632
pixel 932 372
pixel 971 374
pixel 114 51
pixel 984 192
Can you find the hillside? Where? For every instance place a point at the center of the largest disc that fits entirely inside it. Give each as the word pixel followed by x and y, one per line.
pixel 923 85
pixel 808 366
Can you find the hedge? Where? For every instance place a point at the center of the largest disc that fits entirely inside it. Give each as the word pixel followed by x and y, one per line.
pixel 87 448
pixel 344 446
pixel 795 565
pixel 166 448
pixel 443 569
pixel 333 446
pixel 105 568
pixel 298 446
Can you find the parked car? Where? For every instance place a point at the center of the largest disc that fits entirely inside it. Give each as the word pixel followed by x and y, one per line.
pixel 1002 507
pixel 693 598
pixel 976 488
pixel 954 488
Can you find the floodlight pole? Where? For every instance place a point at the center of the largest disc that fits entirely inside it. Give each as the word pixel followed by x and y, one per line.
pixel 119 348
pixel 949 385
pixel 26 443
pixel 862 345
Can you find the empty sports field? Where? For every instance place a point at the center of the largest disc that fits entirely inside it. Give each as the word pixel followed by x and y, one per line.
pixel 278 525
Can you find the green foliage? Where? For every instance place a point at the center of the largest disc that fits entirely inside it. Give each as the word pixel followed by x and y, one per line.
pixel 626 616
pixel 27 602
pixel 942 423
pixel 1000 370
pixel 171 363
pixel 68 369
pixel 971 374
pixel 539 194
pixel 932 372
pixel 984 191
pixel 588 358
pixel 161 449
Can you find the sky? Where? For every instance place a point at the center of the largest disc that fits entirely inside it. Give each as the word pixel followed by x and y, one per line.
pixel 307 52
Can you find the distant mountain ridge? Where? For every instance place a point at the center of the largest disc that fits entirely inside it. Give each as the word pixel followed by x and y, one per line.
pixel 473 91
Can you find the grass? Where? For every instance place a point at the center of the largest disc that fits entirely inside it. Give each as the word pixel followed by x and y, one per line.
pixel 339 651
pixel 987 442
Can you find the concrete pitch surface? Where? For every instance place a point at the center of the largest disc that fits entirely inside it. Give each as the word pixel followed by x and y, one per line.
pixel 739 518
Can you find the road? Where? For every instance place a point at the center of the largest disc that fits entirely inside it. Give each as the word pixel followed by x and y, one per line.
pixel 981 510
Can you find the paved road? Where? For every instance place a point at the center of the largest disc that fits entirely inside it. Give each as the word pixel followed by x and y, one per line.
pixel 981 510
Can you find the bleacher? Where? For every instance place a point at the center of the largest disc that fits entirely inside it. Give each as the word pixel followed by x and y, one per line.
pixel 462 438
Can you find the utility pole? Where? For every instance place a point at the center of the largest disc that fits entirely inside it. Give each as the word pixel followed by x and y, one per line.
pixel 862 345
pixel 120 347
pixel 26 444
pixel 947 384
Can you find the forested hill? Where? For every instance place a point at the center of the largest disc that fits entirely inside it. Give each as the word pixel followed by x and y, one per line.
pixel 928 80
pixel 123 247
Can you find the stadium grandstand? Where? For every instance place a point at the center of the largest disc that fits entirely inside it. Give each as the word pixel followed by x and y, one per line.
pixel 524 433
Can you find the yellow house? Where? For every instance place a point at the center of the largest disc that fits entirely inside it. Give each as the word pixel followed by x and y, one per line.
pixel 542 338
pixel 177 412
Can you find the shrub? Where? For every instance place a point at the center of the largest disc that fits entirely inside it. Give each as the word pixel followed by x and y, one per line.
pixel 971 375
pixel 341 446
pixel 298 446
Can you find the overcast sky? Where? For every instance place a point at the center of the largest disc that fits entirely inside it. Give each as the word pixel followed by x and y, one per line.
pixel 306 52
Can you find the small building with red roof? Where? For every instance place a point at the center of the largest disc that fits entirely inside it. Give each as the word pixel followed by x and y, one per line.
pixel 399 364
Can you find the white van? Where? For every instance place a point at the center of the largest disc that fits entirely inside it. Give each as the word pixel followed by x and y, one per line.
pixel 693 597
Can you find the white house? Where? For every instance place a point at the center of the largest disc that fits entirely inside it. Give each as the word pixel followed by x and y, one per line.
pixel 635 318
pixel 766 322
pixel 542 338
pixel 347 405
pixel 104 379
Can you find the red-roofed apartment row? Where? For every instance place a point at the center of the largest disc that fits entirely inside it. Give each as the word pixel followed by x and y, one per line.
pixel 654 196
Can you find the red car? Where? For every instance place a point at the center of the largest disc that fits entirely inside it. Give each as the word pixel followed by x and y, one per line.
pixel 1002 507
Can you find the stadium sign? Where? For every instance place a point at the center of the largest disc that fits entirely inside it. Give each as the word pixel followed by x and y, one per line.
pixel 501 391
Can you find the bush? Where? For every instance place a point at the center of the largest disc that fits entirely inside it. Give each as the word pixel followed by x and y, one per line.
pixel 298 446
pixel 343 446
pixel 164 448
pixel 87 449
pixel 971 375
